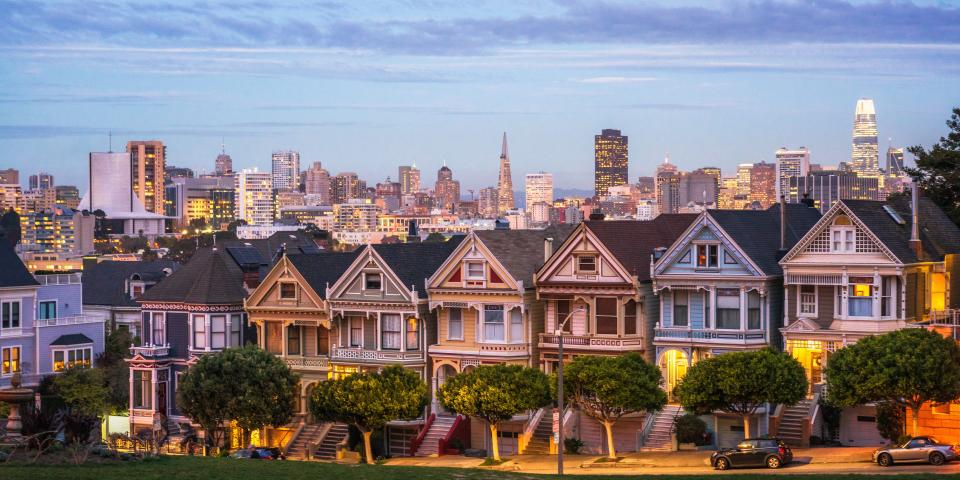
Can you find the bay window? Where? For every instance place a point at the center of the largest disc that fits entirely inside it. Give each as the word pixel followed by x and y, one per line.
pixel 516 326
pixel 72 357
pixel 493 323
pixel 274 337
pixel 754 319
pixel 142 389
pixel 455 324
pixel 413 333
pixel 199 332
pixel 390 331
pixel 728 309
pixel 606 316
pixel 681 317
pixel 10 360
pixel 887 287
pixel 860 294
pixel 563 309
pixel 293 340
pixel 938 291
pixel 218 331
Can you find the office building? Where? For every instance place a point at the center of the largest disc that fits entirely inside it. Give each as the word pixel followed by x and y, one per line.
pixel 894 161
pixel 446 191
pixel 356 215
pixel 865 158
pixel 505 181
pixel 346 186
pixel 610 161
pixel 409 179
pixel 202 202
pixel 10 176
pixel 223 165
pixel 763 184
pixel 286 170
pixel 147 162
pixel 487 202
pixel 112 190
pixel 826 187
pixel 41 181
pixel 57 230
pixel 743 179
pixel 790 163
pixel 538 188
pixel 646 188
pixel 68 196
pixel 317 182
pixel 253 197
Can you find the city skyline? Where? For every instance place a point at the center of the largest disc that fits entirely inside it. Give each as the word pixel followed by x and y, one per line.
pixel 359 102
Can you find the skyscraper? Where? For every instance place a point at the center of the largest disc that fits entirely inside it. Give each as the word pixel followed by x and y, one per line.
pixel 447 190
pixel 825 187
pixel 223 165
pixel 286 170
pixel 344 187
pixel 790 163
pixel 865 159
pixel 743 179
pixel 317 182
pixel 610 161
pixel 487 202
pixel 9 176
pixel 505 182
pixel 409 179
pixel 147 161
pixel 254 197
pixel 763 184
pixel 894 161
pixel 43 181
pixel 539 188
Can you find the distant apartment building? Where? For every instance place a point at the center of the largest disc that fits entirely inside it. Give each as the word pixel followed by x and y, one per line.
pixel 446 191
pixel 763 184
pixel 356 215
pixel 790 163
pixel 409 176
pixel 285 169
pixel 487 203
pixel 56 230
pixel 611 159
pixel 346 186
pixel 68 196
pixel 147 162
pixel 286 198
pixel 10 176
pixel 254 197
pixel 41 181
pixel 39 199
pixel 317 182
pixel 539 188
pixel 210 201
pixel 826 187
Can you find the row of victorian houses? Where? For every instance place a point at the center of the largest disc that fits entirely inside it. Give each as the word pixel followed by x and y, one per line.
pixel 676 289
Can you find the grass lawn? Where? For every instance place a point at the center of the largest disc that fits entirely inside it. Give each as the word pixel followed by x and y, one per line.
pixel 190 468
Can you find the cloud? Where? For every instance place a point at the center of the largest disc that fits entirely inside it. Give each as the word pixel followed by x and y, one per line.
pixel 616 79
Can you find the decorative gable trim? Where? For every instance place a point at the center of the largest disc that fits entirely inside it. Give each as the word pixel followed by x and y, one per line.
pixel 580 235
pixel 823 226
pixel 368 259
pixel 472 248
pixel 801 325
pixel 280 269
pixel 705 228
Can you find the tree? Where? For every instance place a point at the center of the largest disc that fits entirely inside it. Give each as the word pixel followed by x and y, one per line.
pixel 246 385
pixel 496 393
pixel 938 170
pixel 369 400
pixel 741 382
pixel 83 390
pixel 115 371
pixel 435 237
pixel 609 387
pixel 906 367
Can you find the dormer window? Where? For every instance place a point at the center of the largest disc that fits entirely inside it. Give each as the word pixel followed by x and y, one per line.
pixel 372 281
pixel 707 255
pixel 474 271
pixel 587 264
pixel 136 291
pixel 288 291
pixel 842 236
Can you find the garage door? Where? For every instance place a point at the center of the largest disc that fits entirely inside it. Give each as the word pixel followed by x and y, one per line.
pixel 858 426
pixel 729 432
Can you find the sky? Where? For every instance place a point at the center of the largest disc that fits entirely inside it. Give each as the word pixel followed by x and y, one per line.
pixel 368 85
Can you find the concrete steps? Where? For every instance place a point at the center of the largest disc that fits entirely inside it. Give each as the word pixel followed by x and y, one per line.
pixel 431 441
pixel 660 438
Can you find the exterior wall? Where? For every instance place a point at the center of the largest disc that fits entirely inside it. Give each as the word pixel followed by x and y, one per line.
pixel 47 334
pixel 24 337
pixel 942 422
pixel 69 298
pixel 594 437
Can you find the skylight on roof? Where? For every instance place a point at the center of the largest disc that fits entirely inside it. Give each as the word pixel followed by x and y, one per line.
pixel 894 215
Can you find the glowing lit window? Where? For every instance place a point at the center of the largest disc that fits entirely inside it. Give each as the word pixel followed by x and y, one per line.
pixel 938 291
pixel 11 360
pixel 587 264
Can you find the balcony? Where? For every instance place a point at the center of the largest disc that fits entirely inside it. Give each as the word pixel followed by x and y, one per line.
pixel 687 335
pixel 58 278
pixel 60 321
pixel 945 318
pixel 511 350
pixel 375 356
pixel 151 351
pixel 307 363
pixel 592 342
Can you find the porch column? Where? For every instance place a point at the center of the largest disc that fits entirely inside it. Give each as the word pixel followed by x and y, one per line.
pixel 743 309
pixel 403 331
pixel 877 289
pixel 844 293
pixel 283 338
pixel 207 333
pixel 379 329
pixel 713 307
pixel 786 303
pixel 153 388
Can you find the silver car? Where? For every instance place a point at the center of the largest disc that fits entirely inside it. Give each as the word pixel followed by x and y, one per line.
pixel 917 449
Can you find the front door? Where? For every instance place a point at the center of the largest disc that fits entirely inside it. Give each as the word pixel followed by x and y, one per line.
pixel 162 398
pixel 674 365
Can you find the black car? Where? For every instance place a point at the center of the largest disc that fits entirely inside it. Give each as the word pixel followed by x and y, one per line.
pixel 758 452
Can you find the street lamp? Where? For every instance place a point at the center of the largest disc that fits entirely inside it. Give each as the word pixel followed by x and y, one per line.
pixel 559 334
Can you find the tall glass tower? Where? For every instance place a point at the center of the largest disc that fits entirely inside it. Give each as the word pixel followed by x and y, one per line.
pixel 865 160
pixel 610 161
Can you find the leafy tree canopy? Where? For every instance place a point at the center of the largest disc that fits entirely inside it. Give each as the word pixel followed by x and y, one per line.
pixel 83 390
pixel 938 169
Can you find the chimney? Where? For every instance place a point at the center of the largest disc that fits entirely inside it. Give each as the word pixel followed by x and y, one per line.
pixel 251 277
pixel 783 222
pixel 597 215
pixel 547 248
pixel 915 221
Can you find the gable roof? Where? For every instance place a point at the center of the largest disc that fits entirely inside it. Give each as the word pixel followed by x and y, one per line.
pixel 322 269
pixel 211 277
pixel 757 232
pixel 104 283
pixel 521 251
pixel 632 242
pixel 413 263
pixel 71 339
pixel 13 273
pixel 938 234
pixel 295 242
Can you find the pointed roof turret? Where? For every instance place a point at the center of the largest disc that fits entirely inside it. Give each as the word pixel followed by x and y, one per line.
pixel 503 151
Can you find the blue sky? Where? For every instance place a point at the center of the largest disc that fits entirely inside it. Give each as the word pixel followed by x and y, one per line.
pixel 366 86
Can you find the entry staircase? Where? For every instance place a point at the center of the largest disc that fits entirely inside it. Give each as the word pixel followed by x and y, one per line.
pixel 309 435
pixel 659 438
pixel 334 437
pixel 431 441
pixel 792 424
pixel 539 443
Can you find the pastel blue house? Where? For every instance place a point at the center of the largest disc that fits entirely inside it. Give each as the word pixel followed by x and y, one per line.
pixel 721 290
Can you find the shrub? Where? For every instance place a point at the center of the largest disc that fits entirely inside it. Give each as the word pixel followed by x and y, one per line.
pixel 691 429
pixel 572 445
pixel 891 418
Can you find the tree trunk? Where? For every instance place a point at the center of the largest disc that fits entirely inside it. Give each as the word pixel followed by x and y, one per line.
pixel 368 450
pixel 915 413
pixel 494 441
pixel 608 426
pixel 746 426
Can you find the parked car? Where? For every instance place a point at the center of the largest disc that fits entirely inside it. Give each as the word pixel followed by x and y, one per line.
pixel 259 453
pixel 916 449
pixel 756 452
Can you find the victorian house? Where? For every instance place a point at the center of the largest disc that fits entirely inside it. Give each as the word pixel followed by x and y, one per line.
pixel 487 313
pixel 721 290
pixel 111 290
pixel 597 284
pixel 865 268
pixel 195 311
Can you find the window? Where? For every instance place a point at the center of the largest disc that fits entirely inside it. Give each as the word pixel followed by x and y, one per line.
pixel 142 389
pixel 630 318
pixel 75 357
pixel 563 309
pixel 455 324
pixel 11 360
pixel 707 256
pixel 136 291
pixel 390 331
pixel 606 316
pixel 728 309
pixel 236 322
pixel 413 334
pixel 177 378
pixel 293 340
pixel 356 331
pixel 586 264
pixel 842 235
pixel 706 309
pixel 218 331
pixel 199 332
pixel 372 281
pixel 860 297
pixel 753 311
pixel 887 286
pixel 474 271
pixel 493 323
pixel 680 308
pixel 938 291
pixel 516 326
pixel 288 291
pixel 159 329
pixel 808 300
pixel 10 314
pixel 47 310
pixel 274 337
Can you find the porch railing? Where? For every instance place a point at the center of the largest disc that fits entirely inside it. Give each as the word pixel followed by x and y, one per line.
pixel 683 333
pixel 945 318
pixel 598 342
pixel 415 443
pixel 150 351
pixel 307 362
pixel 74 320
pixel 374 355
